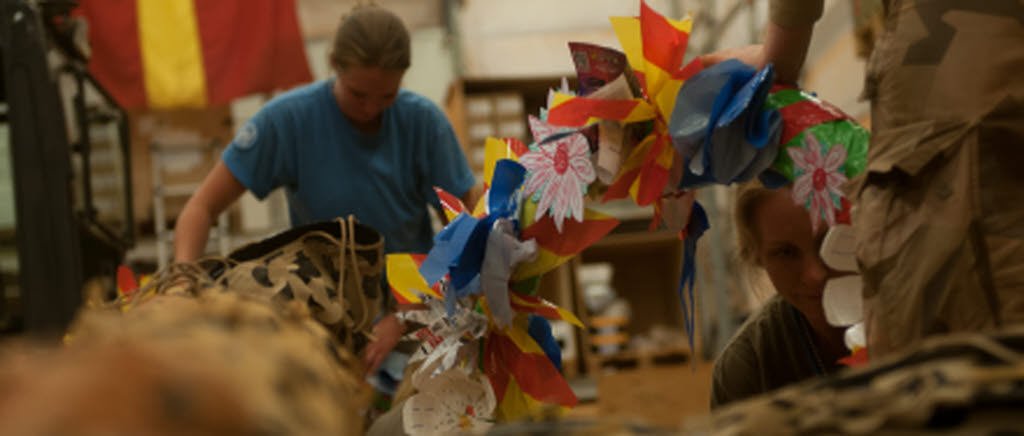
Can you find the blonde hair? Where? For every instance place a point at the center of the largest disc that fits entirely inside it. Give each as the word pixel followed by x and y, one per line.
pixel 371 36
pixel 749 197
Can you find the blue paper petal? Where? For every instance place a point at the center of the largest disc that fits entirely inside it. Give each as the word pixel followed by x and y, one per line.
pixel 720 127
pixel 694 229
pixel 448 246
pixel 540 331
pixel 472 258
pixel 508 178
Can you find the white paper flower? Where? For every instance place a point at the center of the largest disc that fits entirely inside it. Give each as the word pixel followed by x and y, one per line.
pixel 449 402
pixel 559 171
pixel 818 179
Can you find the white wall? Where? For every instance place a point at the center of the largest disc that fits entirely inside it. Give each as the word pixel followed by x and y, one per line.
pixel 527 38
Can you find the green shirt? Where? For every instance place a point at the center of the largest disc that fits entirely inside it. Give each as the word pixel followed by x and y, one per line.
pixel 770 350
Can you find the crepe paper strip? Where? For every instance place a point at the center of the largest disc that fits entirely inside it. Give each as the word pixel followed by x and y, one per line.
pixel 859 357
pixel 496 149
pixel 574 237
pixel 451 204
pixel 465 272
pixel 508 176
pixel 126 282
pixel 722 128
pixel 504 252
pixel 448 246
pixel 630 171
pixel 571 111
pixel 525 382
pixel 540 330
pixel 545 261
pixel 697 226
pixel 404 278
pixel 542 307
pixel 664 40
pixel 528 286
pixel 543 131
pixel 654 172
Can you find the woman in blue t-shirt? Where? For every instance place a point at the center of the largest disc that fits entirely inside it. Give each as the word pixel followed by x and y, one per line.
pixel 353 144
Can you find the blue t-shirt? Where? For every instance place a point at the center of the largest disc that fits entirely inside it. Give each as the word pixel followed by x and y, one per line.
pixel 301 141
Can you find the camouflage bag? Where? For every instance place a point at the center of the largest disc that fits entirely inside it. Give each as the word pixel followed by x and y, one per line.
pixel 333 267
pixel 967 383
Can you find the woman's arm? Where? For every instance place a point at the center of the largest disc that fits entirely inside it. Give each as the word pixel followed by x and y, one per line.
pixel 784 47
pixel 218 191
pixel 786 41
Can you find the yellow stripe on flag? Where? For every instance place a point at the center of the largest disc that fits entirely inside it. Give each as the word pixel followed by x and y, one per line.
pixel 172 57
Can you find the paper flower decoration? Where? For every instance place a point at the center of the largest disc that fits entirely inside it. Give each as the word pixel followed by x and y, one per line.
pixel 818 179
pixel 497 254
pixel 654 47
pixel 558 173
pixel 454 401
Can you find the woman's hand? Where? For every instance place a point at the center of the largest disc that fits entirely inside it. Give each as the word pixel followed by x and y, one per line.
pixel 388 331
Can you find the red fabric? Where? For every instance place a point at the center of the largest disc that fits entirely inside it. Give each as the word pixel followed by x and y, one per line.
pixel 664 45
pixel 249 47
pixel 116 60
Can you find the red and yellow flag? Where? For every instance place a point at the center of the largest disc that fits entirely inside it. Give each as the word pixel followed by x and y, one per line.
pixel 167 54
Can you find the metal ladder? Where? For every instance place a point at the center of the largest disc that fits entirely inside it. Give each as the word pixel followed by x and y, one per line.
pixel 164 235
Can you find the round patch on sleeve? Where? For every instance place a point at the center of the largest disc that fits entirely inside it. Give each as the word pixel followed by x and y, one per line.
pixel 246 136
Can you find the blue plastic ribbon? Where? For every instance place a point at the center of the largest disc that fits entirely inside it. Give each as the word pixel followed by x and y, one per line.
pixel 459 248
pixel 508 176
pixel 540 330
pixel 720 127
pixel 448 246
pixel 694 229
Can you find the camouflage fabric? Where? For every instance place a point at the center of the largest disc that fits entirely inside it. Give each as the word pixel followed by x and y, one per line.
pixel 941 213
pixel 333 267
pixel 965 384
pixel 262 342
